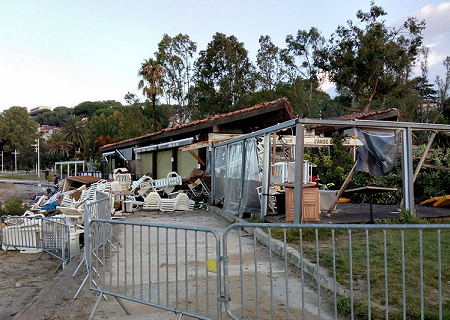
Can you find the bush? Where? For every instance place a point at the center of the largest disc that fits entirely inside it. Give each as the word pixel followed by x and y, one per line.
pixel 14 207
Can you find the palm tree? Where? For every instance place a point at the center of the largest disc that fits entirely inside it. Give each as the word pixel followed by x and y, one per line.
pixel 58 144
pixel 152 73
pixel 74 131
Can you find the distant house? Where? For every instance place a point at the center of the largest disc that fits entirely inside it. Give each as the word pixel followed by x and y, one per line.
pixel 47 131
pixel 34 110
pixel 160 152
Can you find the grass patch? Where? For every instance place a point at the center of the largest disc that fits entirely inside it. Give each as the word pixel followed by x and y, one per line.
pixel 22 177
pixel 377 268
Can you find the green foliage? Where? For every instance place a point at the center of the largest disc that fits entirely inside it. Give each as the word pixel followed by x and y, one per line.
pixel 223 75
pixel 53 117
pixel 14 207
pixel 175 54
pixel 270 68
pixel 433 182
pixel 18 131
pixel 74 131
pixel 407 217
pixel 151 83
pixel 333 169
pixel 369 57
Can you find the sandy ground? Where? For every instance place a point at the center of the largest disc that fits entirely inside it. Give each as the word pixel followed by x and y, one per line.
pixel 30 289
pixel 22 278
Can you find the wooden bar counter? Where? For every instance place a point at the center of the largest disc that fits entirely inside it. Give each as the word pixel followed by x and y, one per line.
pixel 311 204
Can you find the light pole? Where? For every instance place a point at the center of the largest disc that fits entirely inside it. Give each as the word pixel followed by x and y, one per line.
pixel 36 148
pixel 15 153
pixel 2 163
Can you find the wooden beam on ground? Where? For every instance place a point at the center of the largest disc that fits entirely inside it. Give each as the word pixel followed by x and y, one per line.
pixel 198 158
pixel 424 155
pixel 341 191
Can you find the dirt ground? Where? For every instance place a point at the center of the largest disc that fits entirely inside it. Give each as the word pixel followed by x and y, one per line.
pixel 22 278
pixel 30 288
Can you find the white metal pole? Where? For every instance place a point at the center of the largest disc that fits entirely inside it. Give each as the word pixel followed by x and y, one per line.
pixel 407 170
pixel 38 164
pixel 15 161
pixel 2 162
pixel 298 183
pixel 265 177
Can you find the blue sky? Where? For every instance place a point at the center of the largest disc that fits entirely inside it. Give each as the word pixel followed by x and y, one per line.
pixel 61 53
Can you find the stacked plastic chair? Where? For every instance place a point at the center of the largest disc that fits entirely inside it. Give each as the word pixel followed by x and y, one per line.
pixel 153 201
pixel 183 203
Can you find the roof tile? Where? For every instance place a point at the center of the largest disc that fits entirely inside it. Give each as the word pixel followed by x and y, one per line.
pixel 211 118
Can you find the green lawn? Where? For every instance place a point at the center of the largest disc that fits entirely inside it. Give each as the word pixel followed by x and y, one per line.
pixel 377 269
pixel 22 177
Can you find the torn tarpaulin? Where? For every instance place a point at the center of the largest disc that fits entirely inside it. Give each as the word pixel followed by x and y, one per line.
pixel 377 155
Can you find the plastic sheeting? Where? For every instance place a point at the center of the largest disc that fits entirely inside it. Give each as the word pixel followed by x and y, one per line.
pixel 233 181
pixel 377 155
pixel 220 168
pixel 252 179
pixel 236 184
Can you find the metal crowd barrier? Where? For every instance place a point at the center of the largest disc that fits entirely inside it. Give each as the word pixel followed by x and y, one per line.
pixel 287 271
pixel 49 234
pixel 275 271
pixel 21 232
pixel 101 208
pixel 56 239
pixel 175 268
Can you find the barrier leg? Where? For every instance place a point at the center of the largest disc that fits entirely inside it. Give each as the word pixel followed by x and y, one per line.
pixel 81 287
pixel 39 258
pixel 61 265
pixel 123 306
pixel 95 306
pixel 79 265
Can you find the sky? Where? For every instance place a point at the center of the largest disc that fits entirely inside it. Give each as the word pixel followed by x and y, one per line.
pixel 64 52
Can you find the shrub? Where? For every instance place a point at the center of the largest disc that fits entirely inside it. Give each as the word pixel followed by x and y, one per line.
pixel 14 207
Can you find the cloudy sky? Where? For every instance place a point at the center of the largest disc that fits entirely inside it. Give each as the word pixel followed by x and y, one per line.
pixel 61 53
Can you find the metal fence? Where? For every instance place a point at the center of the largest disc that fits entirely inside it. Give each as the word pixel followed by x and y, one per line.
pixel 51 235
pixel 100 208
pixel 174 268
pixel 56 239
pixel 337 271
pixel 277 271
pixel 21 232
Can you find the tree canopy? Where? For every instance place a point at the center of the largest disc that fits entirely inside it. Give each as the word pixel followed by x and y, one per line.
pixel 223 75
pixel 369 58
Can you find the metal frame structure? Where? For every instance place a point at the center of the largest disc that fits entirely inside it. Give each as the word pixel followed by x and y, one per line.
pixel 68 163
pixel 300 124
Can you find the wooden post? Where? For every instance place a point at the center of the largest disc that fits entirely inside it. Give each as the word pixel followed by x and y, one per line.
pixel 198 158
pixel 341 191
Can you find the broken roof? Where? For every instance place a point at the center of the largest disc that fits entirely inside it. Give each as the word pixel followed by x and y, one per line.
pixel 386 115
pixel 282 107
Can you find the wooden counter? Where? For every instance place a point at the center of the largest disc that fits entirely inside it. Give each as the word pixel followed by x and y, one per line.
pixel 311 204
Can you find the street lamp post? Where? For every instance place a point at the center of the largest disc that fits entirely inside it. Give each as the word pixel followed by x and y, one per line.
pixel 36 148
